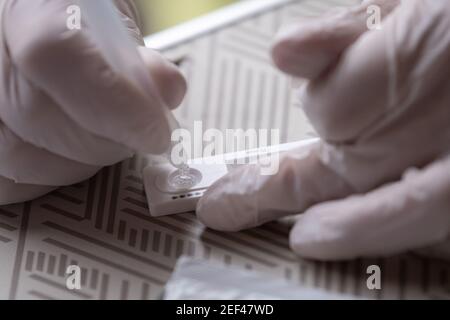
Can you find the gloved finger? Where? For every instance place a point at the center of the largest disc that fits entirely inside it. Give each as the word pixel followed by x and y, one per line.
pixel 398 217
pixel 86 88
pixel 26 164
pixel 33 114
pixel 11 192
pixel 169 82
pixel 310 47
pixel 372 84
pixel 245 199
pixel 36 119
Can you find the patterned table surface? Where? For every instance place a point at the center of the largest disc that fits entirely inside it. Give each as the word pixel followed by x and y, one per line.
pixel 103 225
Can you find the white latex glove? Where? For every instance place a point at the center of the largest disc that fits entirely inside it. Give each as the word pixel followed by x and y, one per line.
pixel 64 113
pixel 380 100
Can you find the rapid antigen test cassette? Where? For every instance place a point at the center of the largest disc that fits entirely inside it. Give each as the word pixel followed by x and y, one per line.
pixel 165 199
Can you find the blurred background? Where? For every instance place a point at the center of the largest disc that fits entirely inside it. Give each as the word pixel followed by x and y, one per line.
pixel 161 14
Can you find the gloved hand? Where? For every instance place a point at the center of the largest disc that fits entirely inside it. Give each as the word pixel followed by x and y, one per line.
pixel 64 113
pixel 379 183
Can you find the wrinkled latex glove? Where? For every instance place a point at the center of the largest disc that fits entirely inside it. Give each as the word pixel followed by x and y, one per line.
pixel 64 113
pixel 379 182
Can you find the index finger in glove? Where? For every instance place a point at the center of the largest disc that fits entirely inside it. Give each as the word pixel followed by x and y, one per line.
pixel 245 199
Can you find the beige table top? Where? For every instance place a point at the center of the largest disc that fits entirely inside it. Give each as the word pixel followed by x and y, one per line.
pixel 103 224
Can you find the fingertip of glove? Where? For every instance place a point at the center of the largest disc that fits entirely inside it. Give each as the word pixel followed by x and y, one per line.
pixel 210 212
pixel 299 53
pixel 302 240
pixel 307 248
pixel 168 78
pixel 171 84
pixel 222 212
pixel 311 239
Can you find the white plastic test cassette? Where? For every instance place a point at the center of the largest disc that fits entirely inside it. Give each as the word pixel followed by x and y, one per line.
pixel 165 199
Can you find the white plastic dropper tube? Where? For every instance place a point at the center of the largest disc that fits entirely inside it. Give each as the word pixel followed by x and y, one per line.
pixel 121 53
